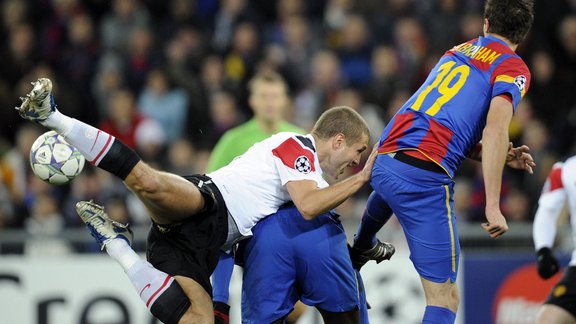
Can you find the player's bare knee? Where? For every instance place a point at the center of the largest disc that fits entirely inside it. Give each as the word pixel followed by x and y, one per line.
pixel 438 294
pixel 144 181
pixel 149 187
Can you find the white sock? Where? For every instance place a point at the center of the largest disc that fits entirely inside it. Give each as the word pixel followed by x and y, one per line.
pixel 149 282
pixel 90 141
pixel 59 122
pixel 120 251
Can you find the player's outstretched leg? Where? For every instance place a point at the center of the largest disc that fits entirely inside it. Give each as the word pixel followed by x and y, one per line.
pixel 162 293
pixel 39 106
pixel 168 197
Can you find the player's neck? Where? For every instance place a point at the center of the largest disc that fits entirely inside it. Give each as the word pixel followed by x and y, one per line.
pixel 268 126
pixel 505 40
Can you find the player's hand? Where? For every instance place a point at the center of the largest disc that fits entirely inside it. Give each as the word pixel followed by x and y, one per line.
pixel 546 263
pixel 520 158
pixel 496 225
pixel 367 170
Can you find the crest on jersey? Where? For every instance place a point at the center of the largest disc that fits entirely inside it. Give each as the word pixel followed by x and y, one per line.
pixel 520 82
pixel 302 164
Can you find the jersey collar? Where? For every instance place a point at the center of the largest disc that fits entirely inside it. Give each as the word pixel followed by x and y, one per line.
pixel 496 39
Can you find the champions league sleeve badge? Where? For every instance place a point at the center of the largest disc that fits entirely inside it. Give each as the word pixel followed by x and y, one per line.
pixel 302 164
pixel 520 82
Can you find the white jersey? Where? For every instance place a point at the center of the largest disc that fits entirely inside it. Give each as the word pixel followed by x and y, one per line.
pixel 559 188
pixel 254 184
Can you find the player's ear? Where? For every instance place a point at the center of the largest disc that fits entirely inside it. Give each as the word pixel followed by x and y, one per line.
pixel 338 141
pixel 486 26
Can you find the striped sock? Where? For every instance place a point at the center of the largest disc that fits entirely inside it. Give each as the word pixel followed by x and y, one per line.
pixel 159 291
pixel 149 282
pixel 90 141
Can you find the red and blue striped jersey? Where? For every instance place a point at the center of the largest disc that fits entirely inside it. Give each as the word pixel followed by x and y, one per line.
pixel 445 118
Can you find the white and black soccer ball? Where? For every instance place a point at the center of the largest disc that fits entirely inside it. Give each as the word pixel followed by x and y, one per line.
pixel 54 160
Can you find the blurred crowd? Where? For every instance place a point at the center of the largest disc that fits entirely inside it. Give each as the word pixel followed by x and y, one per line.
pixel 169 77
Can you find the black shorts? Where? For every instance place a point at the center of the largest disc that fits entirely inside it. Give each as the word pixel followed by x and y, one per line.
pixel 564 292
pixel 191 248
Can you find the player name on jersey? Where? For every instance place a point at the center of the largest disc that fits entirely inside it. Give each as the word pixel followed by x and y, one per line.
pixel 477 52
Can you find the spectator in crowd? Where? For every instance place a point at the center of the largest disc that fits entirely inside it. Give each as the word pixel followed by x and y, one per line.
pixel 241 59
pixel 182 158
pixel 355 51
pixel 109 79
pixel 123 117
pixel 6 185
pixel 141 57
pixel 445 14
pixel 231 13
pixel 165 104
pixel 45 225
pixel 294 46
pixel 91 184
pixel 386 79
pixel 224 113
pixel 151 141
pixel 16 160
pixel 325 80
pixel 14 12
pixel 19 57
pixel 412 46
pixel 117 26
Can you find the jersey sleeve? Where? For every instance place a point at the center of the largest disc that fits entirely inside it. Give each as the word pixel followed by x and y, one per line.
pixel 295 161
pixel 550 205
pixel 511 77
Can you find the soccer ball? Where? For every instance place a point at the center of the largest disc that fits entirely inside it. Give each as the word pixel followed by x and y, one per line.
pixel 54 160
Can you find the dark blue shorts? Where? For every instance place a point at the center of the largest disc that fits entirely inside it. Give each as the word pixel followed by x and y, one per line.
pixel 290 259
pixel 423 203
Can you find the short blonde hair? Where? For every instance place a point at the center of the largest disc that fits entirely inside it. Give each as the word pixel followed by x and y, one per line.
pixel 343 120
pixel 267 77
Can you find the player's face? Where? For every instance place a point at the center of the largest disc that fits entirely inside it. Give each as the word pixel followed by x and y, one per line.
pixel 269 101
pixel 345 156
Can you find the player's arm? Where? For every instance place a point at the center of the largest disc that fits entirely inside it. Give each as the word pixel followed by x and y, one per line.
pixel 494 151
pixel 312 201
pixel 550 205
pixel 510 80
